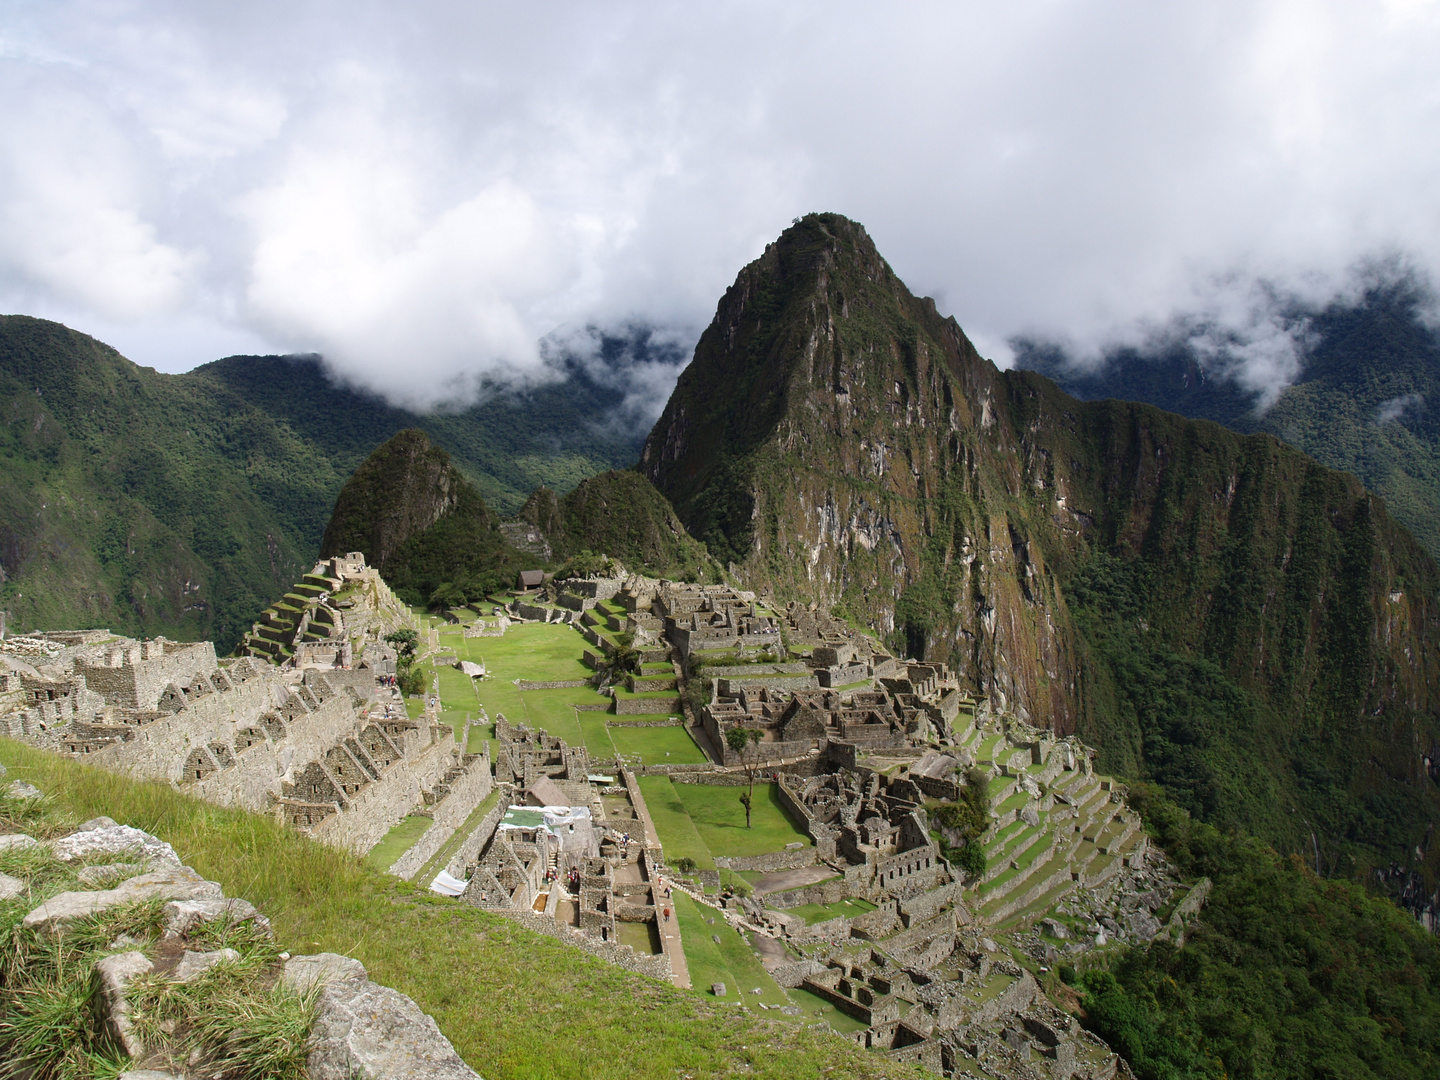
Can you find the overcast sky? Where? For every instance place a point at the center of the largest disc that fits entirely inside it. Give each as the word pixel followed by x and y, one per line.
pixel 423 191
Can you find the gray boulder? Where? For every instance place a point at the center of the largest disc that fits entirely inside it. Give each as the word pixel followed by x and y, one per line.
pixel 362 1029
pixel 148 1074
pixel 171 883
pixel 105 877
pixel 194 964
pixel 183 916
pixel 10 887
pixel 1142 925
pixel 19 789
pixel 11 841
pixel 113 840
pixel 113 974
pixel 101 822
pixel 303 973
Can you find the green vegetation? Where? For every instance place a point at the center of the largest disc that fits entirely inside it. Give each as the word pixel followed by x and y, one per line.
pixel 398 840
pixel 184 504
pixel 233 1020
pixel 656 745
pixel 1287 974
pixel 961 824
pixel 731 960
pixel 618 514
pixel 705 820
pixel 490 985
pixel 818 913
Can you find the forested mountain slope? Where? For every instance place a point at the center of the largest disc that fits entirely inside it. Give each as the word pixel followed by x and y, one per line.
pixel 1215 611
pixel 1366 400
pixel 183 504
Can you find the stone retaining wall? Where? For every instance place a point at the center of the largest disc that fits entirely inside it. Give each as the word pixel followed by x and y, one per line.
pixel 646 706
pixel 377 806
pixel 831 891
pixel 474 845
pixel 669 721
pixel 553 684
pixel 770 861
pixel 466 793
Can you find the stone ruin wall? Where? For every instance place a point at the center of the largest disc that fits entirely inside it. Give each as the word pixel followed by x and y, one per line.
pixel 375 809
pixel 466 793
pixel 134 675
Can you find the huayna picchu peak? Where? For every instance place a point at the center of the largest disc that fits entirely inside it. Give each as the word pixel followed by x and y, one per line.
pixel 1214 611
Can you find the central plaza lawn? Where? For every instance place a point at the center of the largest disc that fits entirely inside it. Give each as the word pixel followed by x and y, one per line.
pixel 719 818
pixel 656 745
pixel 704 820
pixel 678 835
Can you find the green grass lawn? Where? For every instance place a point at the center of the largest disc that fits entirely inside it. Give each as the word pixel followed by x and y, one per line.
pixel 657 745
pixel 678 835
pixel 731 961
pixel 720 819
pixel 517 1005
pixel 397 841
pixel 596 735
pixel 817 913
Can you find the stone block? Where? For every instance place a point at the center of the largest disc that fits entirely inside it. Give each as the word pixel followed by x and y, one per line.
pixel 108 876
pixel 19 789
pixel 11 841
pixel 362 1029
pixel 172 883
pixel 101 822
pixel 10 887
pixel 302 973
pixel 183 916
pixel 718 989
pixel 114 973
pixel 113 840
pixel 194 964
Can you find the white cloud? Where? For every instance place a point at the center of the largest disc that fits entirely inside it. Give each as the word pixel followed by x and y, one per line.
pixel 425 192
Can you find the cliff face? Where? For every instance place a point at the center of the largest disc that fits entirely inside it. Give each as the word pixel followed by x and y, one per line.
pixel 835 438
pixel 1215 610
pixel 399 491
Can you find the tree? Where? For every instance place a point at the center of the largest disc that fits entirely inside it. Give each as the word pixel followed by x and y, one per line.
pixel 740 739
pixel 623 659
pixel 404 641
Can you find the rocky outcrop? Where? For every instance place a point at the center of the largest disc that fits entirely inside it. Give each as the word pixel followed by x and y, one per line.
pixel 359 1027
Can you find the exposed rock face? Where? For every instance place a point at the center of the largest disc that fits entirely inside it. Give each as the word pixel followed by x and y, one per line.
pixel 838 440
pixel 171 883
pixel 364 1029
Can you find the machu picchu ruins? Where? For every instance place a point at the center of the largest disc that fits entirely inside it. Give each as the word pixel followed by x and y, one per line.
pixel 859 914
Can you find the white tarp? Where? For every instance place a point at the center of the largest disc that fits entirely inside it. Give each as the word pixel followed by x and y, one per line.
pixel 446 885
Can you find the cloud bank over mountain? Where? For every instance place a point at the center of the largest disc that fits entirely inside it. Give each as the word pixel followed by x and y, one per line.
pixel 425 193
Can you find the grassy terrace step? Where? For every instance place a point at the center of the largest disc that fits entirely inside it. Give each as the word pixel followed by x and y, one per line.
pixel 1036 872
pixel 1008 880
pixel 1039 905
pixel 508 999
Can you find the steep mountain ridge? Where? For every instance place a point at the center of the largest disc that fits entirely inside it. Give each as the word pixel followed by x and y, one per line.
pixel 417 520
pixel 183 504
pixel 1363 400
pixel 619 513
pixel 1215 610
